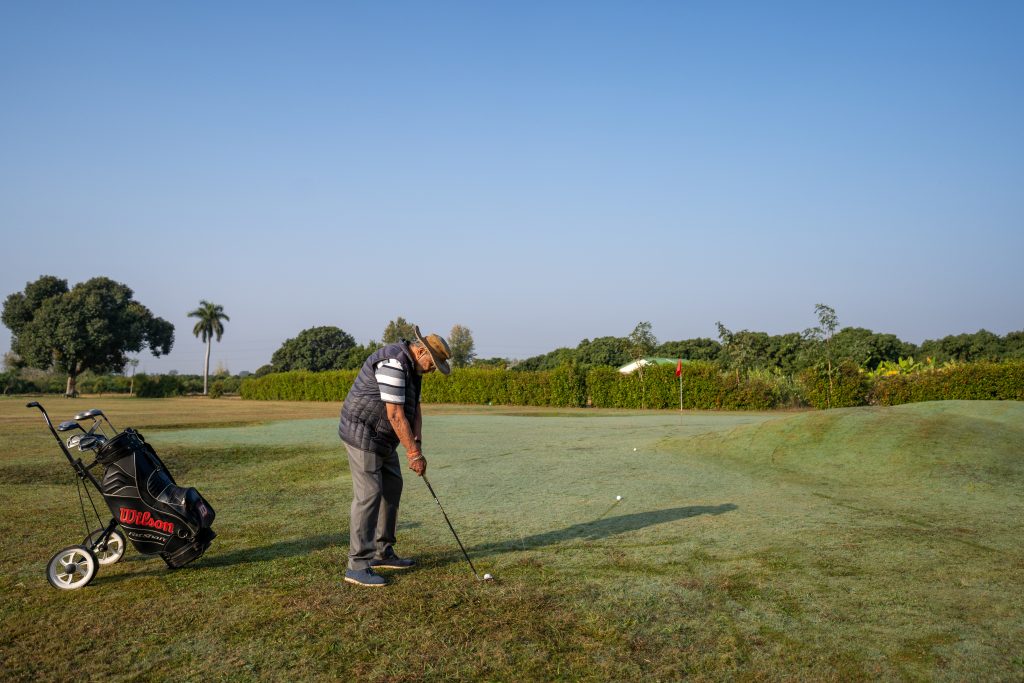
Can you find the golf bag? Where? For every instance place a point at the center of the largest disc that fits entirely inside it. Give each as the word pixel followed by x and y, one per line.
pixel 157 515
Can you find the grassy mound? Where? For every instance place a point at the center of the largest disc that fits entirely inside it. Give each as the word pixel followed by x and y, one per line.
pixel 923 449
pixel 912 438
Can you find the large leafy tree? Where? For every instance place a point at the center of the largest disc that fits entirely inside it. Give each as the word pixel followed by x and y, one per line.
pixel 966 348
pixel 211 324
pixel 399 329
pixel 460 340
pixel 548 361
pixel 700 348
pixel 868 348
pixel 316 349
pixel 610 351
pixel 92 326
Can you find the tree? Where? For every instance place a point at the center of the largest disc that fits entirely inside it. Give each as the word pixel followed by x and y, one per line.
pixel 134 363
pixel 965 348
pixel 399 329
pixel 210 316
pixel 315 349
pixel 868 349
pixel 701 348
pixel 1013 344
pixel 608 351
pixel 784 352
pixel 460 341
pixel 641 343
pixel 89 327
pixel 740 350
pixel 13 361
pixel 822 337
pixel 491 363
pixel 358 354
pixel 548 361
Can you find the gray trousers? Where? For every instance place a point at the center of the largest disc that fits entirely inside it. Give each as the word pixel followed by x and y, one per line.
pixel 376 491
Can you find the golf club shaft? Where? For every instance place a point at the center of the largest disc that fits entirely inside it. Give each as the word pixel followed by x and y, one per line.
pixel 462 547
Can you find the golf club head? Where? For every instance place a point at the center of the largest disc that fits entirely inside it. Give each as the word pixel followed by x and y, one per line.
pixel 94 413
pixel 74 440
pixel 68 424
pixel 89 442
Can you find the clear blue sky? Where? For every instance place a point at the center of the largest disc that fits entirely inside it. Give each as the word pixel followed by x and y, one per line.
pixel 539 172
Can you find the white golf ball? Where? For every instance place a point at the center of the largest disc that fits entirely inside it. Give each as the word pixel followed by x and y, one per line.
pixel 618 497
pixel 487 577
pixel 634 450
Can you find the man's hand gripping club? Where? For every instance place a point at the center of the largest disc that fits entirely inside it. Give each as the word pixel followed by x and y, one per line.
pixel 410 439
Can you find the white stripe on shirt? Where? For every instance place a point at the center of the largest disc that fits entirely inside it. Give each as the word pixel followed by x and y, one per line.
pixel 391 381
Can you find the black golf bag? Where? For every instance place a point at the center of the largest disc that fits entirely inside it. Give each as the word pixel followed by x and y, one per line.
pixel 157 515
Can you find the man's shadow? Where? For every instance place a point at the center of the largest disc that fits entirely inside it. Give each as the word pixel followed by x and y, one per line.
pixel 594 530
pixel 603 527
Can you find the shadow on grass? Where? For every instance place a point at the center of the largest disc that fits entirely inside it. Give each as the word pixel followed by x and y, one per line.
pixel 274 551
pixel 603 527
pixel 594 530
pixel 212 559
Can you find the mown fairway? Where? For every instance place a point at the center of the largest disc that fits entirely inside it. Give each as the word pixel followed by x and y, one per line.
pixel 875 543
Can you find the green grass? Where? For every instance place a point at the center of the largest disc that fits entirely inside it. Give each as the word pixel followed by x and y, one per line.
pixel 872 543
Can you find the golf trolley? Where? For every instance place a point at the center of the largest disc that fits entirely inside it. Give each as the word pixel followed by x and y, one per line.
pixel 157 515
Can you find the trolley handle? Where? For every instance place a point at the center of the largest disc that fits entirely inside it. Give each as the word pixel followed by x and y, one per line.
pixel 75 463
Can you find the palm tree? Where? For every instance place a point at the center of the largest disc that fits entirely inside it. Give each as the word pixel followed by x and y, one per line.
pixel 210 317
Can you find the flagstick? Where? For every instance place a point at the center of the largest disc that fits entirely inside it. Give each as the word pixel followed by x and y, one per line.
pixel 679 372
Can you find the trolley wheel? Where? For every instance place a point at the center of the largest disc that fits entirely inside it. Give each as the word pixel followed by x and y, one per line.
pixel 72 568
pixel 115 546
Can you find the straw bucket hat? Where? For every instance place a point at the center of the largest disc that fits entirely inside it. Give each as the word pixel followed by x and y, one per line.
pixel 438 349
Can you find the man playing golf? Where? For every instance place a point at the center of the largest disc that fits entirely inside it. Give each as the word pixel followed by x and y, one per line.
pixel 382 410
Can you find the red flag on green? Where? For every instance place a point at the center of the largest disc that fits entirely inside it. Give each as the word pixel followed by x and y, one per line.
pixel 679 368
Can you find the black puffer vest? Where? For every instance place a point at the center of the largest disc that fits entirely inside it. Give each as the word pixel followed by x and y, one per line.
pixel 364 417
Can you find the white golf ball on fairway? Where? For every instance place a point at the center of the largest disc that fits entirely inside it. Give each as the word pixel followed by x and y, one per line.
pixel 634 450
pixel 487 577
pixel 618 497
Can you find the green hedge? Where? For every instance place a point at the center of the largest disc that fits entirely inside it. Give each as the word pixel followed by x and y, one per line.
pixel 299 385
pixel 165 386
pixel 562 387
pixel 850 387
pixel 705 387
pixel 972 381
pixel 568 386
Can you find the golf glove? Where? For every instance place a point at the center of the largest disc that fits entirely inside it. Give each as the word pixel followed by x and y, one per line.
pixel 417 463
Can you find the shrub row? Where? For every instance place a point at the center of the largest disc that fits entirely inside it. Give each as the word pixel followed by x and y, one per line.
pixel 299 385
pixel 972 381
pixel 849 387
pixel 145 386
pixel 705 387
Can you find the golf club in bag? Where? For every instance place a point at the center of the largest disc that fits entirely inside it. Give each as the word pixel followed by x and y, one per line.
pixel 157 515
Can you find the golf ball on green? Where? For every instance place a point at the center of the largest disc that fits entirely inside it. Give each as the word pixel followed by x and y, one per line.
pixel 618 497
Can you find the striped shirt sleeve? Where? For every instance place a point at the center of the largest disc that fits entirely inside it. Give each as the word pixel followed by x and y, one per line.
pixel 391 381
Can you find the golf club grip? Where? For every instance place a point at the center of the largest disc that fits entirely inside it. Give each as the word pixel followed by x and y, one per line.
pixel 449 522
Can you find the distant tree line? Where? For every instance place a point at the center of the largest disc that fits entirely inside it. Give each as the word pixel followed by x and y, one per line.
pixel 88 330
pixel 318 349
pixel 789 353
pixel 331 348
